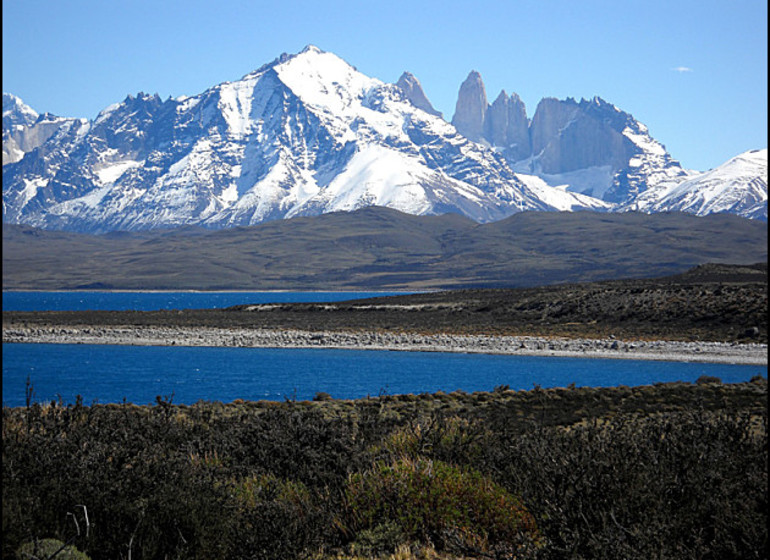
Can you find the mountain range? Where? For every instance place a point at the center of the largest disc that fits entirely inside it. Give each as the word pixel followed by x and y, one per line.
pixel 307 134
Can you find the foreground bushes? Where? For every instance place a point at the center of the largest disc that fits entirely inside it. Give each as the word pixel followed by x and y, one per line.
pixel 430 501
pixel 474 475
pixel 692 485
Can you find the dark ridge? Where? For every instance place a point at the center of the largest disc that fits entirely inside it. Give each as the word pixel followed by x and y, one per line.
pixel 383 249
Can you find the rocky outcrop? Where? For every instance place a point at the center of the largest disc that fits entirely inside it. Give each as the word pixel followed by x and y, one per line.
pixel 471 108
pixel 414 93
pixel 591 146
pixel 503 124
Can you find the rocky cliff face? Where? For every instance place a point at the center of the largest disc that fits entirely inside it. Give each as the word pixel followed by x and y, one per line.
pixel 568 136
pixel 506 125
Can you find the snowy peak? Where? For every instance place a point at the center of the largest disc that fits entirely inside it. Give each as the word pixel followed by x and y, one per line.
pixel 25 130
pixel 324 80
pixel 16 112
pixel 738 186
pixel 311 49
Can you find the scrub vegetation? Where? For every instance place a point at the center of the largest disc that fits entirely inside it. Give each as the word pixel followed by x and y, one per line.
pixel 673 470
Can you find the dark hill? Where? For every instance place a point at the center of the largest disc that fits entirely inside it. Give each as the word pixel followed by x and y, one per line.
pixel 378 248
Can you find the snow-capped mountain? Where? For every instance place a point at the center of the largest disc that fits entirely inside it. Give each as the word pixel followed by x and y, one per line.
pixel 303 135
pixel 308 134
pixel 738 186
pixel 16 112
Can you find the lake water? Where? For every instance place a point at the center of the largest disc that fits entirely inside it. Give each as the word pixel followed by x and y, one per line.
pixel 139 374
pixel 151 301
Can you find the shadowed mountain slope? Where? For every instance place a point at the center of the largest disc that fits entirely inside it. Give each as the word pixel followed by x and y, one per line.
pixel 379 248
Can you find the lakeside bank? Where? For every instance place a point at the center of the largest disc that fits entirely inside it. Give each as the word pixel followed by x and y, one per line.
pixel 611 348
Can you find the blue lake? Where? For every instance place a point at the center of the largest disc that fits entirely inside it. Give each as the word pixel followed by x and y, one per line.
pixel 150 301
pixel 138 374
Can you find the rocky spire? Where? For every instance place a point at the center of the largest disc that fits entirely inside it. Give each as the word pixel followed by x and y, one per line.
pixel 518 145
pixel 471 107
pixel 496 121
pixel 414 93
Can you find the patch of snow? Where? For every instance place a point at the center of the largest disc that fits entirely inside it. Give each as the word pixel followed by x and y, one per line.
pixel 591 181
pixel 644 141
pixel 235 105
pixel 14 152
pixel 84 127
pixel 31 187
pixel 560 198
pixel 92 199
pixel 106 112
pixel 230 194
pixel 112 172
pixel 381 177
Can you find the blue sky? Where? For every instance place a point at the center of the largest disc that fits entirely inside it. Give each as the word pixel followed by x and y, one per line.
pixel 695 72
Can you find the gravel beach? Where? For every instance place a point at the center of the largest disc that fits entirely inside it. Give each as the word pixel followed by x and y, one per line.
pixel 714 352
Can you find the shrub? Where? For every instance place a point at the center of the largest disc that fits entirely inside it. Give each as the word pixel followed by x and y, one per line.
pixel 452 440
pixel 49 548
pixel 275 519
pixel 437 503
pixel 678 485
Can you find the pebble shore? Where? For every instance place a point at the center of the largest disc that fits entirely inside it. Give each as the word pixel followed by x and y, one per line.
pixel 714 352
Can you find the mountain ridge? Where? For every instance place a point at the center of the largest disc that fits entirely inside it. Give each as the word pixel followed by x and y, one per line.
pixel 307 134
pixel 381 248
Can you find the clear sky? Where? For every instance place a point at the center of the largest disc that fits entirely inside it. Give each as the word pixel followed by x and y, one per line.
pixel 693 71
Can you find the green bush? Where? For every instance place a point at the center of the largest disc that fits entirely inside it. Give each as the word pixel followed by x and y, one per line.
pixel 437 503
pixel 47 548
pixel 450 439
